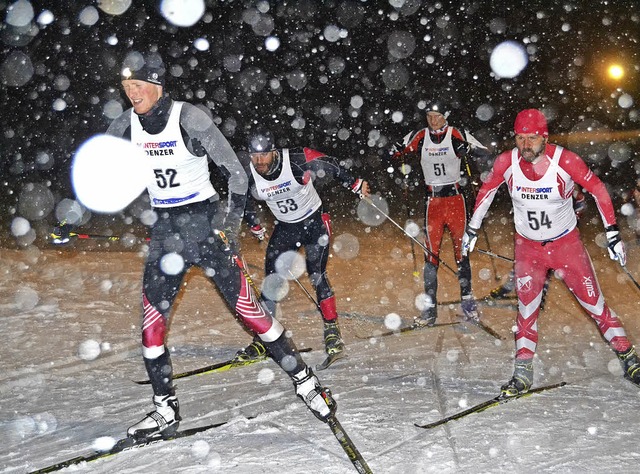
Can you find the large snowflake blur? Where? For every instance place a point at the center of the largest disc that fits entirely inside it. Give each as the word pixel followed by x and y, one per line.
pixel 349 78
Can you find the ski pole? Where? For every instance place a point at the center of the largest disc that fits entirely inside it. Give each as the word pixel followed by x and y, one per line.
pixel 545 288
pixel 348 446
pixel 631 277
pixel 491 254
pixel 240 264
pixel 78 235
pixel 306 292
pixel 427 251
pixel 405 194
pixel 484 230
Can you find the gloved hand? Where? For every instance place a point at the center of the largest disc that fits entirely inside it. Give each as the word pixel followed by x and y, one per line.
pixel 61 234
pixel 615 245
pixel 469 240
pixel 360 187
pixel 258 232
pixel 397 148
pixel 579 203
pixel 227 241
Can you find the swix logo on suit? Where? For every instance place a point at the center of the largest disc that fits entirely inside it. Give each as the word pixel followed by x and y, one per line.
pixel 276 189
pixel 588 284
pixel 524 283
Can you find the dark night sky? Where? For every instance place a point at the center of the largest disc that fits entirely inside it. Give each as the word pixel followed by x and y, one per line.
pixel 569 46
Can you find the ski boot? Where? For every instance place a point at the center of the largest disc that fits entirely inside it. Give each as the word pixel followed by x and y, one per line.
pixel 253 351
pixel 163 422
pixel 333 343
pixel 521 381
pixel 427 318
pixel 317 398
pixel 500 292
pixel 630 365
pixel 469 308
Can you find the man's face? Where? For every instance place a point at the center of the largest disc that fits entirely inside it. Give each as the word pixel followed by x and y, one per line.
pixel 262 161
pixel 435 120
pixel 142 95
pixel 530 145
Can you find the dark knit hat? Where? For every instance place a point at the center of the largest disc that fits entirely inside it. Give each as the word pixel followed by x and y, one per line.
pixel 148 68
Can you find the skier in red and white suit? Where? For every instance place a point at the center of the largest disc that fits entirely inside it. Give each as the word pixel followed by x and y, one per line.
pixel 441 149
pixel 540 178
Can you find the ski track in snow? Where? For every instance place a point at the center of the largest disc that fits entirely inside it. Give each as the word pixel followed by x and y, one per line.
pixel 55 403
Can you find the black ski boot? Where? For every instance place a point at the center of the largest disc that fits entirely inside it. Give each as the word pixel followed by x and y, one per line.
pixel 630 365
pixel 333 343
pixel 253 351
pixel 521 381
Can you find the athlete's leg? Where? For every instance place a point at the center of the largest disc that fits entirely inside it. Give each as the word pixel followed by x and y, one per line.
pixel 579 276
pixel 434 230
pixel 159 291
pixel 285 238
pixel 530 271
pixel 223 270
pixel 317 242
pixel 455 216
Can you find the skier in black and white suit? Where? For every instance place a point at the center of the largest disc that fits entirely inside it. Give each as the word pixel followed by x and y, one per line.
pixel 179 138
pixel 283 178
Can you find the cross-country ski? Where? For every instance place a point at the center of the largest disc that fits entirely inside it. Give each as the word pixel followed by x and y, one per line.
pixel 437 197
pixel 219 367
pixel 127 444
pixel 492 402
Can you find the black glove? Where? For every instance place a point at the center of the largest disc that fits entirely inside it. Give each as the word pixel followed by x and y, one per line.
pixel 397 148
pixel 61 234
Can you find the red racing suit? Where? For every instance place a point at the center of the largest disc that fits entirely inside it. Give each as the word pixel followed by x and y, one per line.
pixel 440 158
pixel 441 152
pixel 547 237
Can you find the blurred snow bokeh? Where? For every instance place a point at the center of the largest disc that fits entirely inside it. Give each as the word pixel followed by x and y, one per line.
pixel 350 79
pixel 108 173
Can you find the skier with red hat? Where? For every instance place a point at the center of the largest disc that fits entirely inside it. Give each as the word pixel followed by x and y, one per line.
pixel 540 178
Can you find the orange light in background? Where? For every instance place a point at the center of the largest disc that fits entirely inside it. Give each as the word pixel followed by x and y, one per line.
pixel 615 71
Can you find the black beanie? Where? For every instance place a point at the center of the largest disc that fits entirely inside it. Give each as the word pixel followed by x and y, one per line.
pixel 148 68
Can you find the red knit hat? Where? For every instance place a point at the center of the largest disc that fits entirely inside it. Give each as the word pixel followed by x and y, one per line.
pixel 531 121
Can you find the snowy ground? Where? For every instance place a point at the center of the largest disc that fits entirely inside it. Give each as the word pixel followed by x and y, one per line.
pixel 57 399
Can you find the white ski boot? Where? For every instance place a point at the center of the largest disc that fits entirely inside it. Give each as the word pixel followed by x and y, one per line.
pixel 162 422
pixel 317 398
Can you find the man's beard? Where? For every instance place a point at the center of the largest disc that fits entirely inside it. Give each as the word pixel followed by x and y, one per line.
pixel 531 154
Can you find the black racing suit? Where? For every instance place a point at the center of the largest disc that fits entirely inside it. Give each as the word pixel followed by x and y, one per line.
pixel 186 235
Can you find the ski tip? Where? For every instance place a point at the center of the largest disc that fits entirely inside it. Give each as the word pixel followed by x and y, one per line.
pixel 329 361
